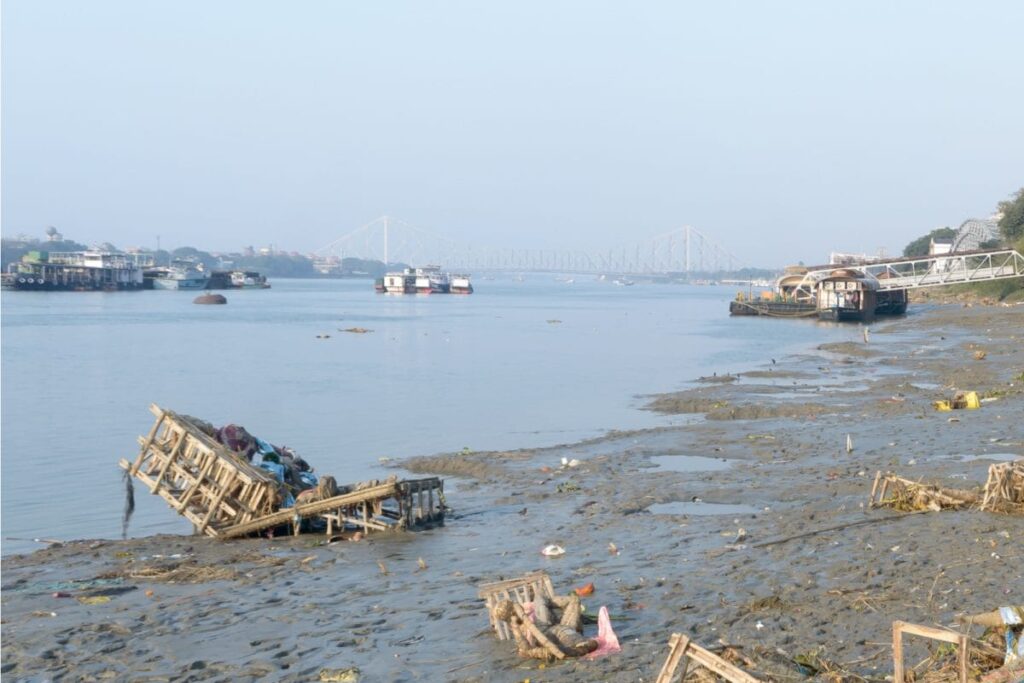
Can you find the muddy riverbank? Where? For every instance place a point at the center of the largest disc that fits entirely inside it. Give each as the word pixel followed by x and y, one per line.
pixel 676 527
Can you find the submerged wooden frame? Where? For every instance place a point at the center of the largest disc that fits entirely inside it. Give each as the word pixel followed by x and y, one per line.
pixel 225 496
pixel 520 591
pixel 682 649
pixel 961 640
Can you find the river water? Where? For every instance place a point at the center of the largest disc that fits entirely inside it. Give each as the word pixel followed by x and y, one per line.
pixel 517 364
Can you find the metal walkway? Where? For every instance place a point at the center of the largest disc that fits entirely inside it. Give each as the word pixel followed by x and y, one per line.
pixel 931 271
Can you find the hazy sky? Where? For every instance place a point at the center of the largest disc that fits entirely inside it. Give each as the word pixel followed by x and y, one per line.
pixel 782 129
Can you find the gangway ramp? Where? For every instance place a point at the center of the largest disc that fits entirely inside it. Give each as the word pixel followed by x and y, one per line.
pixel 930 271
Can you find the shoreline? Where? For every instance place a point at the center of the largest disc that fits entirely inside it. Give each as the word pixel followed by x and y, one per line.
pixel 775 437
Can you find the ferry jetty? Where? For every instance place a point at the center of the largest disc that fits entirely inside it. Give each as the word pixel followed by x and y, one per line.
pixel 425 280
pixel 78 271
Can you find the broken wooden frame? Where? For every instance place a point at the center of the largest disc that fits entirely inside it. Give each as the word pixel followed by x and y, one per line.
pixel 225 496
pixel 1004 487
pixel 201 479
pixel 961 640
pixel 520 591
pixel 681 649
pixel 916 494
pixel 1003 492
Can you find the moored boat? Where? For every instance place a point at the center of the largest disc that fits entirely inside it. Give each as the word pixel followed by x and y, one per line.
pixel 425 280
pixel 180 274
pixel 460 284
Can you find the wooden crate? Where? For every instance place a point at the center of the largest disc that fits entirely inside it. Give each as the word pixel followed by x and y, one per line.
pixel 198 477
pixel 520 591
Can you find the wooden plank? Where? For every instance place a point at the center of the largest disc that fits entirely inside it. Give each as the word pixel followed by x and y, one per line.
pixel 729 672
pixel 677 645
pixel 310 509
pixel 897 652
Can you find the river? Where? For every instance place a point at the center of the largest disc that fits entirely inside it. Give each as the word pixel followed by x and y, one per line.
pixel 517 364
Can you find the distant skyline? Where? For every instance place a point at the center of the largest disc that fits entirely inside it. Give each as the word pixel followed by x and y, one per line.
pixel 782 130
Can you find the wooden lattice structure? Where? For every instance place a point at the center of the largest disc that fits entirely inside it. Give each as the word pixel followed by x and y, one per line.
pixel 1004 487
pixel 225 496
pixel 520 591
pixel 681 649
pixel 199 478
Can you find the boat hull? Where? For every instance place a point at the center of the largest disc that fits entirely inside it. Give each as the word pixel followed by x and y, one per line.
pixel 172 283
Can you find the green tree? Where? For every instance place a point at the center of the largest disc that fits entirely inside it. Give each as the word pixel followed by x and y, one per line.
pixel 1011 225
pixel 919 247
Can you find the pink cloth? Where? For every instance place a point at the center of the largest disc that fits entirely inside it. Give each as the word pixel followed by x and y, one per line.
pixel 607 641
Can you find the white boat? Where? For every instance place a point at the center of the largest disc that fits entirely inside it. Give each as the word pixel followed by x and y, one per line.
pixel 243 279
pixel 425 280
pixel 180 274
pixel 460 284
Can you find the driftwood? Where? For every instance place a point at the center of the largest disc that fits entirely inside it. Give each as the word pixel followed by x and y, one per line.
pixel 680 649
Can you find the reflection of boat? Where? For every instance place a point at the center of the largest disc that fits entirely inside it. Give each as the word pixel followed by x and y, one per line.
pixel 180 274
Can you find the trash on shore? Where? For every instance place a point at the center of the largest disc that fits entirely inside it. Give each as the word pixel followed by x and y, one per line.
pixel 229 483
pixel 544 626
pixel 962 400
pixel 681 649
pixel 1003 492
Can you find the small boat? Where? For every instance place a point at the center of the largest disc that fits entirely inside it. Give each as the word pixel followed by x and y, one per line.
pixel 425 280
pixel 180 274
pixel 248 279
pixel 460 284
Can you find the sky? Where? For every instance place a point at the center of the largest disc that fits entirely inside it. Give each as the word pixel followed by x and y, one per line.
pixel 781 130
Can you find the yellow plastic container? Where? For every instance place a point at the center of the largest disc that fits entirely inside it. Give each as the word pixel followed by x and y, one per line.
pixel 970 400
pixel 943 406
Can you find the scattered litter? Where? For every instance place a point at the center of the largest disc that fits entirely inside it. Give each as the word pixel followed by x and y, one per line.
pixel 552 551
pixel 613 549
pixel 980 355
pixel 585 590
